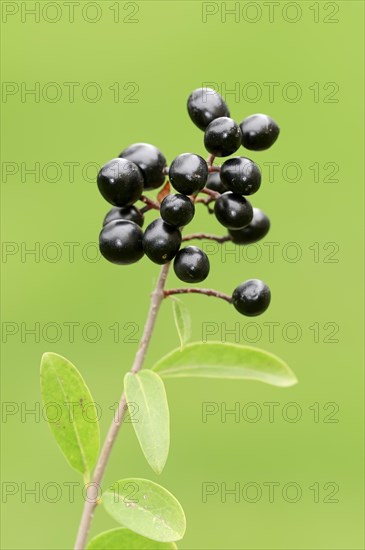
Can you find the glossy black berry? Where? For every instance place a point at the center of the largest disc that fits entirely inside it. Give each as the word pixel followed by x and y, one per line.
pixel 241 175
pixel 215 183
pixel 150 160
pixel 259 132
pixel 204 105
pixel 256 230
pixel 222 137
pixel 177 210
pixel 251 297
pixel 188 173
pixel 120 181
pixel 191 265
pixel 233 210
pixel 161 241
pixel 120 242
pixel 130 213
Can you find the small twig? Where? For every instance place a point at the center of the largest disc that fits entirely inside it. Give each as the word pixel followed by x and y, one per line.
pixel 145 209
pixel 210 160
pixel 149 202
pixel 93 497
pixel 212 196
pixel 210 169
pixel 208 236
pixel 206 201
pixel 204 291
pixel 210 192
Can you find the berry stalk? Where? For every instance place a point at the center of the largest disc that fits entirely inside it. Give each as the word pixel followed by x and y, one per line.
pixel 210 192
pixel 92 496
pixel 150 202
pixel 207 236
pixel 204 291
pixel 211 168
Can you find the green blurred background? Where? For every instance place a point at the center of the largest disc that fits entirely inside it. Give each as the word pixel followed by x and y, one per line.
pixel 154 53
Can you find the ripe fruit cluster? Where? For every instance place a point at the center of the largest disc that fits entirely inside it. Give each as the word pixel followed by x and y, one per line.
pixel 142 167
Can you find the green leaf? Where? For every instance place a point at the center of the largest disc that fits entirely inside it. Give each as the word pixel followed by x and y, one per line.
pixel 124 539
pixel 146 508
pixel 218 360
pixel 151 422
pixel 182 321
pixel 70 411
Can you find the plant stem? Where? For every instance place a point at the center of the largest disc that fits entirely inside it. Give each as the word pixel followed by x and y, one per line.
pixel 93 492
pixel 212 196
pixel 207 236
pixel 211 168
pixel 145 209
pixel 210 160
pixel 210 192
pixel 206 201
pixel 204 291
pixel 150 202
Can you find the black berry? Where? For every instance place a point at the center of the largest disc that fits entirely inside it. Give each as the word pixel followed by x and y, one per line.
pixel 130 213
pixel 233 211
pixel 215 183
pixel 204 105
pixel 188 173
pixel 150 160
pixel 177 210
pixel 241 175
pixel 191 265
pixel 222 137
pixel 161 241
pixel 256 230
pixel 120 242
pixel 259 132
pixel 251 297
pixel 120 181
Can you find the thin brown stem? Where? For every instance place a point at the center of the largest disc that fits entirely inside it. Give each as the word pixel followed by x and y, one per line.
pixel 210 160
pixel 204 291
pixel 92 496
pixel 150 202
pixel 212 196
pixel 214 168
pixel 208 236
pixel 145 209
pixel 210 192
pixel 206 201
pixel 210 169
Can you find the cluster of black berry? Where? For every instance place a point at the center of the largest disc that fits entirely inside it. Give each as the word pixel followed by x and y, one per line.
pixel 140 167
